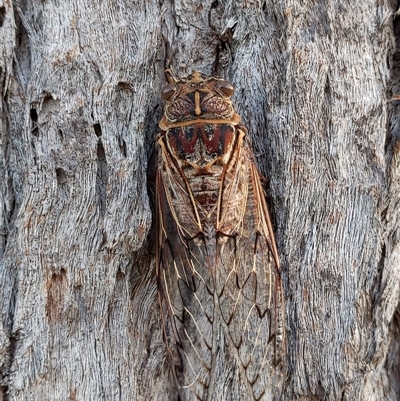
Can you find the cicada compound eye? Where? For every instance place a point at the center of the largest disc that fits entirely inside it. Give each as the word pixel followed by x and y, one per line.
pixel 226 88
pixel 168 91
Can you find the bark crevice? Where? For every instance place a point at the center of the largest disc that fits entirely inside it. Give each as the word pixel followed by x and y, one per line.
pixel 102 175
pixel 2 15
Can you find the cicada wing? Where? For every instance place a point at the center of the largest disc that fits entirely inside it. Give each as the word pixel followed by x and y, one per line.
pixel 248 280
pixel 173 191
pixel 185 285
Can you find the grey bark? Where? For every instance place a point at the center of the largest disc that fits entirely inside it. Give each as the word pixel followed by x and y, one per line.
pixel 80 84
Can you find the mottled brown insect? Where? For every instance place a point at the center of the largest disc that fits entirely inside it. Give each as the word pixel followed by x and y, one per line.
pixel 217 262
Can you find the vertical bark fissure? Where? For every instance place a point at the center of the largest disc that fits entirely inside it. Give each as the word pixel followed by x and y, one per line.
pixel 102 171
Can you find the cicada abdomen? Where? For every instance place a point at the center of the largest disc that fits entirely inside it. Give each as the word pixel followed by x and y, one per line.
pixel 217 262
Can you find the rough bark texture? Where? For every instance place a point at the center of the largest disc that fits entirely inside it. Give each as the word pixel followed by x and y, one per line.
pixel 80 84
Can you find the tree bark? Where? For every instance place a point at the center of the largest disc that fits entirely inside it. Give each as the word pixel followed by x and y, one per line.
pixel 316 85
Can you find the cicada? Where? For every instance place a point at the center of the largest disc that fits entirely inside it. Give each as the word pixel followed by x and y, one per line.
pixel 217 261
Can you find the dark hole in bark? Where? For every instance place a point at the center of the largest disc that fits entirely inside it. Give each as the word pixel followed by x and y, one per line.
pixel 61 176
pixel 2 15
pixel 124 86
pixel 122 146
pixel 214 4
pixel 327 88
pixel 34 118
pixel 120 274
pixel 102 176
pixel 34 115
pixel 97 130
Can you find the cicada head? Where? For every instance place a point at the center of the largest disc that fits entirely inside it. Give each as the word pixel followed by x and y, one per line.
pixel 195 99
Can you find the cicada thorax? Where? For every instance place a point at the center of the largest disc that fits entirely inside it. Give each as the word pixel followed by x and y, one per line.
pixel 203 152
pixel 217 263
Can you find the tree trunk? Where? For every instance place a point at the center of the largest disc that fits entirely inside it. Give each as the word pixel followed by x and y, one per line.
pixel 316 85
